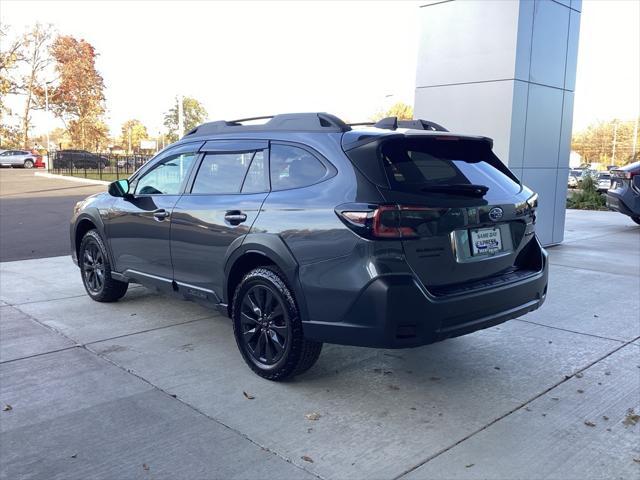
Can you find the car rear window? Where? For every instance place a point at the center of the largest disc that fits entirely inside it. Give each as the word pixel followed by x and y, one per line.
pixel 411 164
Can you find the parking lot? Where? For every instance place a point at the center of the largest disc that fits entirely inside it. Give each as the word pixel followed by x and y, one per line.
pixel 33 211
pixel 155 388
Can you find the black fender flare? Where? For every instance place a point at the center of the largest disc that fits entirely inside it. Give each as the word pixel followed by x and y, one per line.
pixel 93 216
pixel 276 251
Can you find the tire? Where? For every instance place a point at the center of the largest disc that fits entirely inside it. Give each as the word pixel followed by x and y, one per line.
pixel 268 329
pixel 636 219
pixel 28 163
pixel 93 259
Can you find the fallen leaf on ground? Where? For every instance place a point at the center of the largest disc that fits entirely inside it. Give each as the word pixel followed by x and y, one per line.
pixel 377 370
pixel 312 416
pixel 413 408
pixel 595 316
pixel 434 379
pixel 470 465
pixel 580 391
pixel 589 424
pixel 579 375
pixel 607 373
pixel 248 396
pixel 637 460
pixel 307 459
pixel 309 430
pixel 555 398
pixel 604 417
pixel 387 372
pixel 75 455
pixel 394 387
pixel 7 408
pixel 145 467
pixel 496 368
pixel 631 418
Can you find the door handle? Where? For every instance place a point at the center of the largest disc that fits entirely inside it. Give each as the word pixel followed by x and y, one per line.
pixel 160 214
pixel 235 217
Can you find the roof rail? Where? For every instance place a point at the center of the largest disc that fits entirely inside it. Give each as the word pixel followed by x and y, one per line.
pixel 392 123
pixel 362 124
pixel 306 122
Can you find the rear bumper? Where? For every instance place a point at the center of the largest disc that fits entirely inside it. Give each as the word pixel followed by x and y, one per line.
pixel 396 311
pixel 623 203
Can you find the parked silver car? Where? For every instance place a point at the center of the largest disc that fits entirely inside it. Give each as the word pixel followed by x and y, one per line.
pixel 603 181
pixel 17 158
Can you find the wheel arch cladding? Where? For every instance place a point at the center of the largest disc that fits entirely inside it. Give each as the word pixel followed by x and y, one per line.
pixel 262 250
pixel 82 227
pixel 83 224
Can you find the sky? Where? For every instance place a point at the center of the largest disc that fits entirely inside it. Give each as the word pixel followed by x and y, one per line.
pixel 254 58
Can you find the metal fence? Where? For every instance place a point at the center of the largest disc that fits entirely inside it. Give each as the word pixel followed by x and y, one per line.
pixel 100 166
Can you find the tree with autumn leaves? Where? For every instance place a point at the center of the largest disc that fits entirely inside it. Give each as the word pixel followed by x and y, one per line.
pixel 75 90
pixel 78 96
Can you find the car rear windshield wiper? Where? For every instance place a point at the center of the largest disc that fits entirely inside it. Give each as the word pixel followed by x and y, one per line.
pixel 458 189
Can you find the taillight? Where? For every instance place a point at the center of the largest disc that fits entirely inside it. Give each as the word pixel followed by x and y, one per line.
pixel 390 221
pixel 624 174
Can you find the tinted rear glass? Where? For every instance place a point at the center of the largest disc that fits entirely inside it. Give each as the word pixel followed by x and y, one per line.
pixel 415 164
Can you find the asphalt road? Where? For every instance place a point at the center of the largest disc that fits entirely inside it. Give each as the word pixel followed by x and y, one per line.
pixel 35 212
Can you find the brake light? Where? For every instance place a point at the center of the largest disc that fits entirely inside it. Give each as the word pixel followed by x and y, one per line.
pixel 391 221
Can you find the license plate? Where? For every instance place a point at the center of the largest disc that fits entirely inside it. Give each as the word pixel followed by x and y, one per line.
pixel 485 241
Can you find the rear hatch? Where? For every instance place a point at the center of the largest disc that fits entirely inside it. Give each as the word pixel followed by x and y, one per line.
pixel 462 216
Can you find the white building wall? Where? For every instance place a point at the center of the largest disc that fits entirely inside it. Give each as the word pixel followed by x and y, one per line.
pixel 506 69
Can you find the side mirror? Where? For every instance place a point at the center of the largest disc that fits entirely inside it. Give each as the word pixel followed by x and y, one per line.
pixel 119 188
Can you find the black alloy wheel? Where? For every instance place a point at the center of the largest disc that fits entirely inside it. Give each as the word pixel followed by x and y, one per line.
pixel 265 325
pixel 93 267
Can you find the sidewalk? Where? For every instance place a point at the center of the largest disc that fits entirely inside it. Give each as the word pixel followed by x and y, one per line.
pixel 154 388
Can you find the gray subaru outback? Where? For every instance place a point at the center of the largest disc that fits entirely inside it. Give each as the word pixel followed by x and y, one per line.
pixel 304 229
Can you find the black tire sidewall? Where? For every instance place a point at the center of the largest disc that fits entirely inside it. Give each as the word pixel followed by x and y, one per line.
pixel 272 279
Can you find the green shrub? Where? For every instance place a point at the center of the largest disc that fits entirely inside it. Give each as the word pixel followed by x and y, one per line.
pixel 588 197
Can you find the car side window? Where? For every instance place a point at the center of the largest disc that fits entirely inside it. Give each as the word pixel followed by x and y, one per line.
pixel 257 178
pixel 221 173
pixel 293 167
pixel 167 177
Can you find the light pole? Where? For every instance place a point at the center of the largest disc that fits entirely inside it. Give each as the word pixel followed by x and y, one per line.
pixel 615 138
pixel 46 108
pixel 180 99
pixel 635 139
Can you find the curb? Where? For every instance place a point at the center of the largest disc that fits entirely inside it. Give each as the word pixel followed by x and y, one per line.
pixel 71 179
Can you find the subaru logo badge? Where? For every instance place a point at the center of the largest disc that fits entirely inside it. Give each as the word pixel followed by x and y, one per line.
pixel 495 214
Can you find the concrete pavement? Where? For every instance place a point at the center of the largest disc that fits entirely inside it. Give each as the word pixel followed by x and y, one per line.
pixel 154 388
